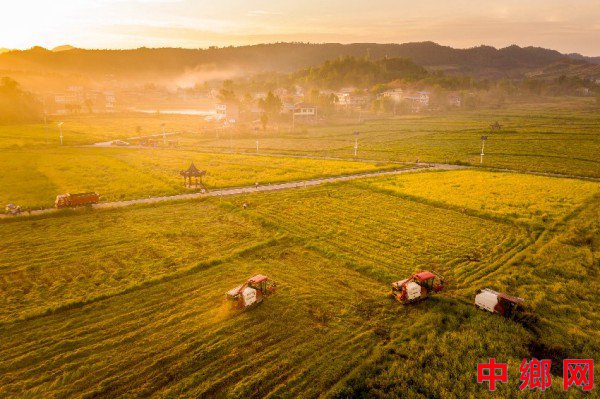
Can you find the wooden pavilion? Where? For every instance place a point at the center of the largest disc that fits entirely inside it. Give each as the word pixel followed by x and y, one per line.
pixel 193 173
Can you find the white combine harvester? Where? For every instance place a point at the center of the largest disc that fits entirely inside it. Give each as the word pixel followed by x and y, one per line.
pixel 497 302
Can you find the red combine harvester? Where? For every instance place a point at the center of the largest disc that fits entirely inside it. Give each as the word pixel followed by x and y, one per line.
pixel 417 287
pixel 252 292
pixel 75 200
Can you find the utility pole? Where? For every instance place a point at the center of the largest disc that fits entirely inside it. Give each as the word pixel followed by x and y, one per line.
pixel 46 128
pixel 355 144
pixel 45 122
pixel 483 139
pixel 61 134
pixel 256 131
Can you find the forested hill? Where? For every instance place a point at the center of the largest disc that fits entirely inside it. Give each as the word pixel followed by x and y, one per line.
pixel 483 61
pixel 359 72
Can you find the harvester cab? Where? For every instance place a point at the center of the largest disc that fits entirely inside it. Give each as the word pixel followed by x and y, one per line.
pixel 252 292
pixel 417 287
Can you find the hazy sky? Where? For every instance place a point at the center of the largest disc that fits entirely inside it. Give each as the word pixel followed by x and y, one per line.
pixel 568 26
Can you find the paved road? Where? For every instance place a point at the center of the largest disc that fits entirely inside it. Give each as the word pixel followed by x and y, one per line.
pixel 253 189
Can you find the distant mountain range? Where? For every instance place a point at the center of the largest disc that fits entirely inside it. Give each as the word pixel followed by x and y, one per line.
pixel 146 63
pixel 576 56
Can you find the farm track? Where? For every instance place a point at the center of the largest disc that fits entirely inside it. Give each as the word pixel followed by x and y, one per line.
pixel 251 189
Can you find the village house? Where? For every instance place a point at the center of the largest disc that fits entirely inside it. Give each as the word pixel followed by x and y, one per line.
pixel 229 112
pixel 454 100
pixel 417 101
pixel 76 99
pixel 305 111
pixel 343 99
pixel 64 103
pixel 109 101
pixel 298 91
pixel 359 100
pixel 260 95
pixel 393 94
pixel 583 92
pixel 287 108
pixel 351 98
pixel 423 98
pixel 280 92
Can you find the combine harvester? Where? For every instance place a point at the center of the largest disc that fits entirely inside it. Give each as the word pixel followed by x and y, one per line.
pixel 252 292
pixel 497 302
pixel 13 209
pixel 417 287
pixel 75 200
pixel 511 307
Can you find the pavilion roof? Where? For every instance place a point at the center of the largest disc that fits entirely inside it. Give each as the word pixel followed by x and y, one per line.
pixel 192 171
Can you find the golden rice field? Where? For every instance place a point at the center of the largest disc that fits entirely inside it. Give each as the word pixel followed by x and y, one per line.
pixel 524 198
pixel 35 177
pixel 99 254
pixel 130 302
pixel 323 329
pixel 386 237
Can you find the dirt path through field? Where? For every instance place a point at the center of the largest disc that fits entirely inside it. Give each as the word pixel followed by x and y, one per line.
pixel 253 189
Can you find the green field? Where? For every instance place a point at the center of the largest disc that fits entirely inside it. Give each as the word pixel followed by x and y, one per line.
pixel 559 138
pixel 93 128
pixel 130 302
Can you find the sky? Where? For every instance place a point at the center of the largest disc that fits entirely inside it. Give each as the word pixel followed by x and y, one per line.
pixel 567 26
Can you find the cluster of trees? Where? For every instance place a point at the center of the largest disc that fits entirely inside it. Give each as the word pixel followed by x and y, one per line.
pixel 270 106
pixel 17 105
pixel 359 72
pixel 560 86
pixel 377 76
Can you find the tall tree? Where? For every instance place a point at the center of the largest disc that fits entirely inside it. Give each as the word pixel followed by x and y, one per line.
pixel 17 105
pixel 271 105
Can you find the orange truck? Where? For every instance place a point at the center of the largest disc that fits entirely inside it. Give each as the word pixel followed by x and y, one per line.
pixel 74 200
